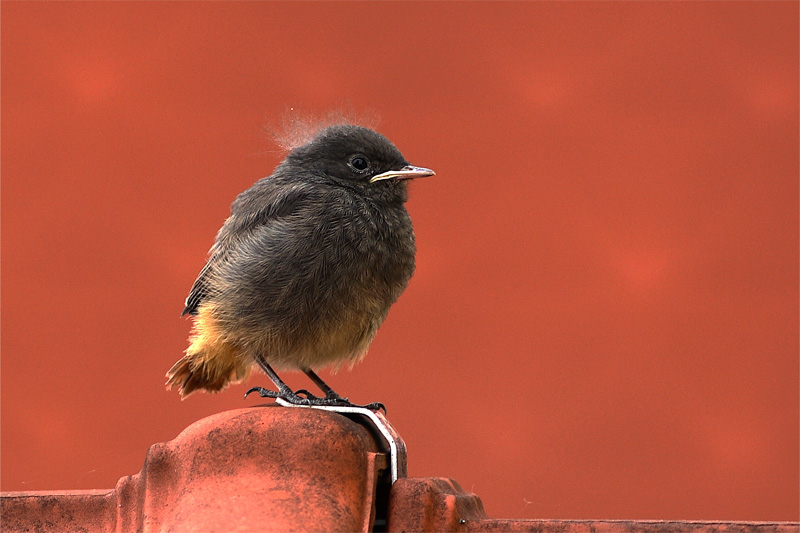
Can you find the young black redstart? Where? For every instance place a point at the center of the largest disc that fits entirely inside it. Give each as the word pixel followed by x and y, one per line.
pixel 304 270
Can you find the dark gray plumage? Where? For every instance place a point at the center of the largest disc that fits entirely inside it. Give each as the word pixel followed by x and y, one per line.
pixel 304 270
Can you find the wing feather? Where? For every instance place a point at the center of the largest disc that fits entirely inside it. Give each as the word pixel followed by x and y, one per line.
pixel 262 204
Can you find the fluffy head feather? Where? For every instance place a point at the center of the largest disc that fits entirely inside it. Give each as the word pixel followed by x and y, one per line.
pixel 296 129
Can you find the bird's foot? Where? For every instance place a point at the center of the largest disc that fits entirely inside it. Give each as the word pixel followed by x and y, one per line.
pixel 286 395
pixel 332 399
pixel 304 397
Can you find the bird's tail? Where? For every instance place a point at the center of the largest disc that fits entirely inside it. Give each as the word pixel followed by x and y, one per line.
pixel 211 363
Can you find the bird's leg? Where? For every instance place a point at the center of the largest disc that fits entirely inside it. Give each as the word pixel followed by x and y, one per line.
pixel 330 394
pixel 331 397
pixel 284 392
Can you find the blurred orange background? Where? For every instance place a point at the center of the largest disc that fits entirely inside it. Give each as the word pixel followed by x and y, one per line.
pixel 604 318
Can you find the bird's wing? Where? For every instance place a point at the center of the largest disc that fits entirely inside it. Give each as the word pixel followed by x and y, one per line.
pixel 253 208
pixel 200 288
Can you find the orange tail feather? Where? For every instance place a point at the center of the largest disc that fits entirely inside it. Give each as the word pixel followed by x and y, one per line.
pixel 211 363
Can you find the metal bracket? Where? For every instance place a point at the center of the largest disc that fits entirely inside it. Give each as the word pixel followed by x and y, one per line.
pixel 378 426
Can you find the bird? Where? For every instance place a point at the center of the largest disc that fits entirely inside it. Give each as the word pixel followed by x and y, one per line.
pixel 304 270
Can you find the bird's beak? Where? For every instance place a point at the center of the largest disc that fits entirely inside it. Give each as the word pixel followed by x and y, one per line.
pixel 405 173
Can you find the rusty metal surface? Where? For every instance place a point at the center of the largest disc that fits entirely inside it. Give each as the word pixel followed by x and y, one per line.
pixel 252 469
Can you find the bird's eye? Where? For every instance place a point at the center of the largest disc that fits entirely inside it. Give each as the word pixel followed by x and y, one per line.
pixel 359 163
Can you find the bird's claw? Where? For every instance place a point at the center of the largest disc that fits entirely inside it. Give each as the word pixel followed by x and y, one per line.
pixel 264 393
pixel 374 406
pixel 329 400
pixel 287 395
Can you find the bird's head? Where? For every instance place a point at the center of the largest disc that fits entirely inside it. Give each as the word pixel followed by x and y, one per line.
pixel 357 158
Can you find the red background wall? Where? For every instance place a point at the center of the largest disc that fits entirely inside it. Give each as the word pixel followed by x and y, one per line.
pixel 604 319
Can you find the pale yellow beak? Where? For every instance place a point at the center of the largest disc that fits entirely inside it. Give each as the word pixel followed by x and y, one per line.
pixel 405 173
